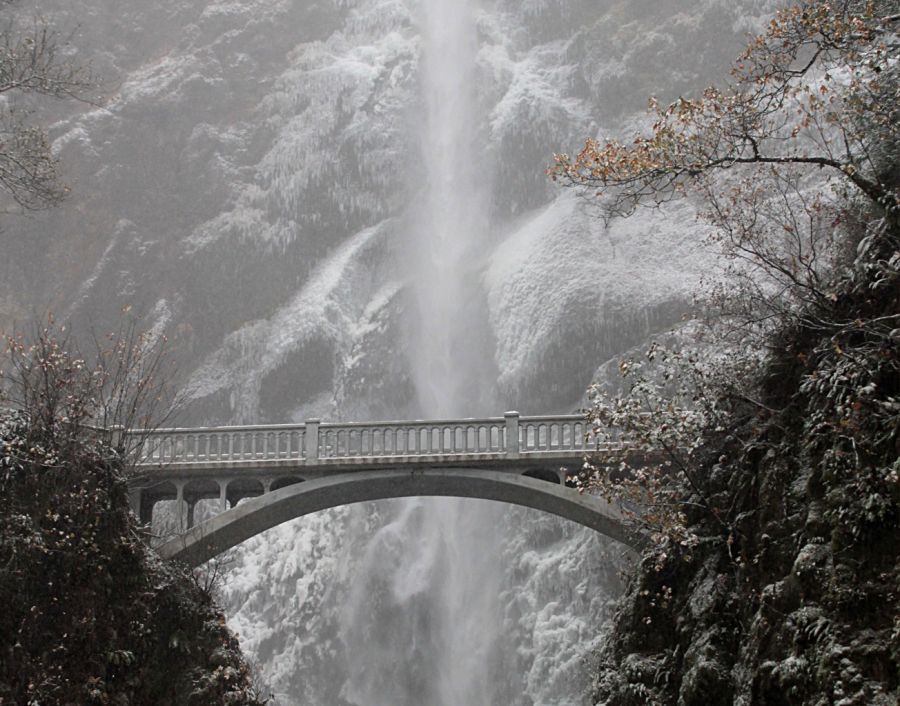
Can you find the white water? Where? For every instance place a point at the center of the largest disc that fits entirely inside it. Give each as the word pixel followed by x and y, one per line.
pixel 436 565
pixel 451 216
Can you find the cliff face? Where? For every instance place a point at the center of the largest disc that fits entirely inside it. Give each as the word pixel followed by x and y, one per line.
pixel 798 603
pixel 89 615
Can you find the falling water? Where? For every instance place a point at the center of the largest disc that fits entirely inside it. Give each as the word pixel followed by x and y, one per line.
pixel 432 573
pixel 450 218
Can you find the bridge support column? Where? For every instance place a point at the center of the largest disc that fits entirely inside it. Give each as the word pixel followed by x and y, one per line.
pixel 179 504
pixel 134 501
pixel 190 514
pixel 145 513
pixel 223 495
pixel 512 434
pixel 117 438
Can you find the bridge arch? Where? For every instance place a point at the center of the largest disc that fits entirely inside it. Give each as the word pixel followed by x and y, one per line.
pixel 203 542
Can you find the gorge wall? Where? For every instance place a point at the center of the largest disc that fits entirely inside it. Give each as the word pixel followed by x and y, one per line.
pixel 251 181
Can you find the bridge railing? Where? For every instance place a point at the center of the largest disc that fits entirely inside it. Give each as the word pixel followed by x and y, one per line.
pixel 553 433
pixel 312 443
pixel 420 438
pixel 234 443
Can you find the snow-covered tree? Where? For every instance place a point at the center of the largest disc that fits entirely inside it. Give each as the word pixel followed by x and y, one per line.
pixel 35 60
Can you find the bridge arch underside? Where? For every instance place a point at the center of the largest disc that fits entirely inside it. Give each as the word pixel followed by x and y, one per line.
pixel 253 516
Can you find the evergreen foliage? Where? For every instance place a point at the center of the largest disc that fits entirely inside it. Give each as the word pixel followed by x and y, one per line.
pixel 89 614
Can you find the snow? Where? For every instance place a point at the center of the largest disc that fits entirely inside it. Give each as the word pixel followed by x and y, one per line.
pixel 563 258
pixel 537 89
pixel 323 307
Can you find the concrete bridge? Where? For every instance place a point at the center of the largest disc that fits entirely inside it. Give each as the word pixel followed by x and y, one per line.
pixel 281 472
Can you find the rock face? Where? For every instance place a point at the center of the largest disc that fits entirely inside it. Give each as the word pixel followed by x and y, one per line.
pixel 246 186
pixel 795 601
pixel 809 619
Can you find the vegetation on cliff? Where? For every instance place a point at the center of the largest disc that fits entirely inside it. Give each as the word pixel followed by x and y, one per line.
pixel 35 61
pixel 775 573
pixel 89 615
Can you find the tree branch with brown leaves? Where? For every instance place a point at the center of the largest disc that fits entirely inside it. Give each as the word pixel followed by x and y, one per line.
pixel 811 91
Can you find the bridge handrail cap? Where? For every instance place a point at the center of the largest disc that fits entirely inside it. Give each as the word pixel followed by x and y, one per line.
pixel 511 413
pixel 314 420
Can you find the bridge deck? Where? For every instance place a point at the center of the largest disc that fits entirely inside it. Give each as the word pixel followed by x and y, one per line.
pixel 236 462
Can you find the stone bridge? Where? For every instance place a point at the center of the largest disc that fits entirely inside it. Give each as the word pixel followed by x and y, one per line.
pixel 284 471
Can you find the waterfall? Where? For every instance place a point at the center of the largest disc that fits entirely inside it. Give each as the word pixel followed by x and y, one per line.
pixel 423 624
pixel 450 217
